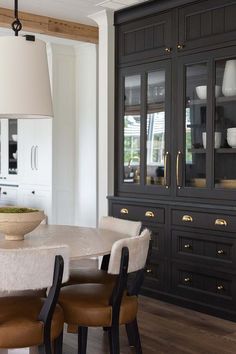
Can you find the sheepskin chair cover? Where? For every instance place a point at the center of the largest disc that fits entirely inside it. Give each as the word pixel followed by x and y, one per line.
pixel 138 250
pixel 130 228
pixel 30 268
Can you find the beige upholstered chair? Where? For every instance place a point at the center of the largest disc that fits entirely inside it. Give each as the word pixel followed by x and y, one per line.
pixel 110 304
pixel 88 275
pixel 30 320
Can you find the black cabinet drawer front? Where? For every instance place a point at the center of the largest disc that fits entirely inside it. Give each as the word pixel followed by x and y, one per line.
pixel 145 38
pixel 212 221
pixel 155 275
pixel 214 288
pixel 207 23
pixel 213 249
pixel 139 213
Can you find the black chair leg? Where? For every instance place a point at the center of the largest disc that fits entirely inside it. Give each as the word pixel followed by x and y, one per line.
pixel 130 334
pixel 82 340
pixel 45 348
pixel 137 341
pixel 114 340
pixel 58 344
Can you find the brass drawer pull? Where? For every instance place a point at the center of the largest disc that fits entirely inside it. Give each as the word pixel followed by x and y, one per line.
pixel 149 270
pixel 187 280
pixel 188 246
pixel 149 214
pixel 187 218
pixel 221 222
pixel 220 252
pixel 124 211
pixel 220 287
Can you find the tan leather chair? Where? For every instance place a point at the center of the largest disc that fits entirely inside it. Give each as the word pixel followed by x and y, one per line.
pixel 28 320
pixel 88 275
pixel 110 304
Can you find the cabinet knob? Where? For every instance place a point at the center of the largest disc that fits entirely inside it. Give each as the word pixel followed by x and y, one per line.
pixel 33 192
pixel 149 214
pixel 180 46
pixel 187 246
pixel 220 287
pixel 220 252
pixel 124 211
pixel 187 218
pixel 221 222
pixel 187 280
pixel 149 270
pixel 5 193
pixel 168 50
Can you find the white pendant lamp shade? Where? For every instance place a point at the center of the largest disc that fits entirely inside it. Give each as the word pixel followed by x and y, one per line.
pixel 24 79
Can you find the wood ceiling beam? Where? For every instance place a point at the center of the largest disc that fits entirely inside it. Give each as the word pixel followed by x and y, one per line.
pixel 51 26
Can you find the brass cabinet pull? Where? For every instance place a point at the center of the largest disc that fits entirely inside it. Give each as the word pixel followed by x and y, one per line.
pixel 149 214
pixel 168 50
pixel 180 46
pixel 177 169
pixel 149 271
pixel 220 287
pixel 187 280
pixel 221 222
pixel 187 218
pixel 220 252
pixel 124 211
pixel 166 159
pixel 188 246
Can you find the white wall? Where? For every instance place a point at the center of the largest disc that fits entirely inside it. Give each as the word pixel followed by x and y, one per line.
pixel 86 136
pixel 63 137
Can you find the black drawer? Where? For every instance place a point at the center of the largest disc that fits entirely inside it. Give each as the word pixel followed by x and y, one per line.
pixel 206 220
pixel 139 213
pixel 196 283
pixel 155 277
pixel 214 250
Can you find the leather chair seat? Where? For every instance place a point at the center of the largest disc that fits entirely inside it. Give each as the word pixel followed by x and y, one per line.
pixel 19 325
pixel 87 275
pixel 88 305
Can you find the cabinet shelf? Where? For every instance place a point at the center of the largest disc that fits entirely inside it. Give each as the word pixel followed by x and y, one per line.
pixel 12 142
pixel 151 108
pixel 197 151
pixel 226 151
pixel 221 99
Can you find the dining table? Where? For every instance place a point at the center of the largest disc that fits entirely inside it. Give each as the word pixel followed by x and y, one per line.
pixel 83 242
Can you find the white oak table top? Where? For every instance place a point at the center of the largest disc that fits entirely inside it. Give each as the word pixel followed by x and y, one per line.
pixel 82 241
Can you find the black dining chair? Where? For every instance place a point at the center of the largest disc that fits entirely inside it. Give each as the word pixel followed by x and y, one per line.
pixel 29 320
pixel 110 305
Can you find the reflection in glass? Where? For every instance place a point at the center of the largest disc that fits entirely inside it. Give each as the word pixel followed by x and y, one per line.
pixel 12 150
pixel 195 125
pixel 132 129
pixel 225 125
pixel 155 127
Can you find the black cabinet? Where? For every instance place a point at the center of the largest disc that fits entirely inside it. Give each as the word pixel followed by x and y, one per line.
pixel 175 150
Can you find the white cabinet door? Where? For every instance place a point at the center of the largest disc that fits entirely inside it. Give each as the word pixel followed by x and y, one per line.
pixel 35 149
pixel 35 198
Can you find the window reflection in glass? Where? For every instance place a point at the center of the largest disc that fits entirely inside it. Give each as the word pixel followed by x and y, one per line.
pixel 132 129
pixel 195 125
pixel 155 128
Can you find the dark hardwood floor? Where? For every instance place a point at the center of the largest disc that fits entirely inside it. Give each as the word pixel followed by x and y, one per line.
pixel 167 329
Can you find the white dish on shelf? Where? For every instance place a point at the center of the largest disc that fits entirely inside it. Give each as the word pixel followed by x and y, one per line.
pixel 231 140
pixel 14 155
pixel 217 140
pixel 202 92
pixel 14 137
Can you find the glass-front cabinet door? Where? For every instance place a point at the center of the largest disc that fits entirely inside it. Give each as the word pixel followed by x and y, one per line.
pixel 206 153
pixel 144 118
pixel 8 149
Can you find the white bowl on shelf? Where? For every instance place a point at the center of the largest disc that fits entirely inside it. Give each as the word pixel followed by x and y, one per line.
pixel 202 92
pixel 231 130
pixel 231 140
pixel 14 137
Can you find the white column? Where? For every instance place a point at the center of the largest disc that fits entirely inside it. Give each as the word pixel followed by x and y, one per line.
pixel 106 60
pixel 86 136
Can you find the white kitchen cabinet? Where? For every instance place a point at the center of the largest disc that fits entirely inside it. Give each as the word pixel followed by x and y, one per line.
pixel 9 150
pixel 35 147
pixel 35 197
pixel 9 195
